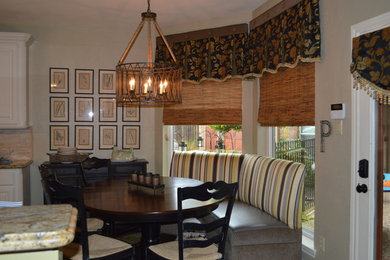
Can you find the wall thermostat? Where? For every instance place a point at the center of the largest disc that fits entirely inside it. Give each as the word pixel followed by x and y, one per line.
pixel 337 111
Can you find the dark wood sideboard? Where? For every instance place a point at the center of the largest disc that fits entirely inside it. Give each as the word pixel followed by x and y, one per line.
pixel 70 173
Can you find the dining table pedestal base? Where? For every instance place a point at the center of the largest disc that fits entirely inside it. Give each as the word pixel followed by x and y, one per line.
pixel 150 236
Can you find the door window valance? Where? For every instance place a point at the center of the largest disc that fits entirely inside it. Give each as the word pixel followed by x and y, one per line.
pixel 371 64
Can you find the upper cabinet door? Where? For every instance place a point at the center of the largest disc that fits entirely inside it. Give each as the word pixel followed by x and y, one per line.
pixel 13 80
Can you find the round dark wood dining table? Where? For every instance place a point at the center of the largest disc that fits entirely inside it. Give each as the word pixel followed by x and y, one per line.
pixel 114 200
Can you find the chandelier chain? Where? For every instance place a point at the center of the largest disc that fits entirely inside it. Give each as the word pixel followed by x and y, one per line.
pixel 149 6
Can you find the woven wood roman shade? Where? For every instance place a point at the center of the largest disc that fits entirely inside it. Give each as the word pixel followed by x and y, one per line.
pixel 207 103
pixel 287 97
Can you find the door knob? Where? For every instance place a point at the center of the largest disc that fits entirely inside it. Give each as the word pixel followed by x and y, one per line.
pixel 361 188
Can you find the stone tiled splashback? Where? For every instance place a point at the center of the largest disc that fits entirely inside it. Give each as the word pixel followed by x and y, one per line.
pixel 16 144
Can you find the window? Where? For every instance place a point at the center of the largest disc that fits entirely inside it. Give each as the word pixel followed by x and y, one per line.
pixel 214 138
pixel 298 144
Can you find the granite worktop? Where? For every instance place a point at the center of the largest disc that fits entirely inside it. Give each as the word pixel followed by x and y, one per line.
pixel 16 164
pixel 38 227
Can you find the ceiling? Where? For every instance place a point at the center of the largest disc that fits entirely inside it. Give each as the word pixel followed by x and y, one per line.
pixel 120 12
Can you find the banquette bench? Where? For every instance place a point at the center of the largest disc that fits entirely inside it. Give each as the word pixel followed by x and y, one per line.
pixel 266 217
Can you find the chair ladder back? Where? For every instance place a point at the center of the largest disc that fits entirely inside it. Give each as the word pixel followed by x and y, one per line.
pixel 218 191
pixel 47 174
pixel 73 194
pixel 94 163
pixel 48 197
pixel 205 226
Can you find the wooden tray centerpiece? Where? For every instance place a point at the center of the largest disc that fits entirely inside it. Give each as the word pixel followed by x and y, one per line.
pixel 150 183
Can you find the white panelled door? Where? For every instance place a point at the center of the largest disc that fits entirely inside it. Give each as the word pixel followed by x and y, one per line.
pixel 364 124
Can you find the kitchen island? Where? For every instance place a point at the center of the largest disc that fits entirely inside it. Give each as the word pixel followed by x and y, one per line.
pixel 15 183
pixel 36 232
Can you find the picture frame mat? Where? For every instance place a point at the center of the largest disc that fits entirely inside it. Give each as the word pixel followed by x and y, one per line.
pixel 84 81
pixel 108 137
pixel 83 109
pixel 58 80
pixel 131 136
pixel 131 113
pixel 107 109
pixel 59 109
pixel 84 137
pixel 107 81
pixel 59 136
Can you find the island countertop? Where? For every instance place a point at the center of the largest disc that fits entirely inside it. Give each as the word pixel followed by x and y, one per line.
pixel 38 227
pixel 16 164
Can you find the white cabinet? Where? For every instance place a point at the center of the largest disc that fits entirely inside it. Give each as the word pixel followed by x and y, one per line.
pixel 13 80
pixel 15 185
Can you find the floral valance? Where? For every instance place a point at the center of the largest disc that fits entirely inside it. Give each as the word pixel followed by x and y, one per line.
pixel 371 64
pixel 214 57
pixel 284 40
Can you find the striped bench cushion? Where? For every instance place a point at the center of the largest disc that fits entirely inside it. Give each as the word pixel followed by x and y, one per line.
pixel 274 186
pixel 206 166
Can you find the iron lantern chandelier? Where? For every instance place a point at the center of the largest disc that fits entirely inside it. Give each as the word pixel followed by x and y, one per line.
pixel 148 82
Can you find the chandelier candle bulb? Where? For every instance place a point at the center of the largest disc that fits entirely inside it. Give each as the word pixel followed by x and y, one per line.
pixel 132 84
pixel 161 88
pixel 146 88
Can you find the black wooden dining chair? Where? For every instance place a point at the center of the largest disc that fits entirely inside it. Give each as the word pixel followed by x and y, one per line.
pixel 212 246
pixel 91 246
pixel 94 225
pixel 103 168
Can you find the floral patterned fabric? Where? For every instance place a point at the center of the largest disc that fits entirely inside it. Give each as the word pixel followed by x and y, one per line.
pixel 217 58
pixel 283 41
pixel 371 63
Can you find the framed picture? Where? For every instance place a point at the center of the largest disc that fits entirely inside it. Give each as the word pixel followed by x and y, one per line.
pixel 107 137
pixel 84 81
pixel 131 137
pixel 59 136
pixel 84 137
pixel 107 81
pixel 131 114
pixel 59 109
pixel 59 80
pixel 83 109
pixel 107 110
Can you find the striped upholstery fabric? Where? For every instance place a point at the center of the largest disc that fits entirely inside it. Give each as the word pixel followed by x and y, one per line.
pixel 274 186
pixel 206 166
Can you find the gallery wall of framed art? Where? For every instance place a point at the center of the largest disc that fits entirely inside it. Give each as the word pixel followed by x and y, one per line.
pixel 83 111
